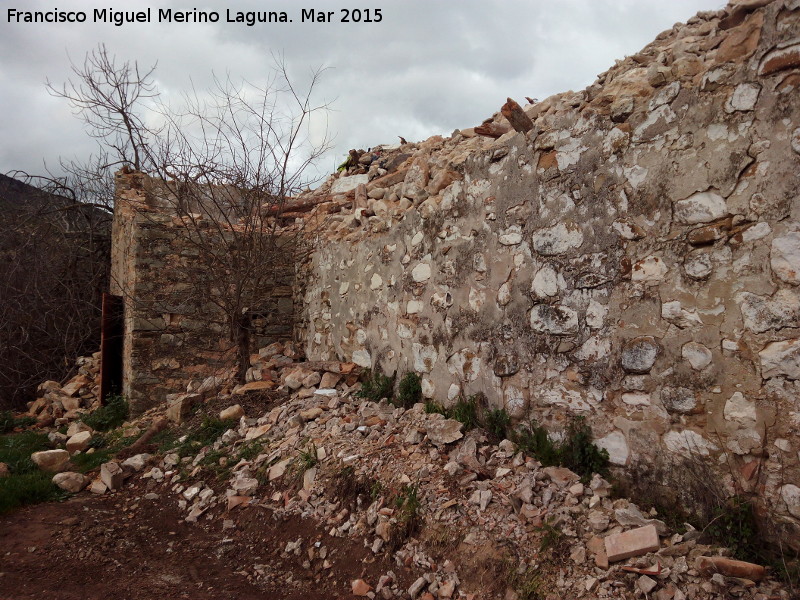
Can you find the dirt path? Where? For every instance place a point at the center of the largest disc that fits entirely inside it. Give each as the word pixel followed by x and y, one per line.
pixel 127 547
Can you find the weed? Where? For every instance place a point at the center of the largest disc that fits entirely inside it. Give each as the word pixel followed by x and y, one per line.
pixel 432 407
pixel 498 422
pixel 407 519
pixel 734 526
pixel 525 581
pixel 109 416
pixel 208 432
pixel 535 441
pixel 409 391
pixel 16 450
pixel 8 422
pixel 579 454
pixel 552 537
pixel 349 487
pixel 377 386
pixel 307 459
pixel 576 451
pixel 465 411
pixel 251 450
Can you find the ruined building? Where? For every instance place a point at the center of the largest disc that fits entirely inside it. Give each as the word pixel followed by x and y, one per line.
pixel 633 258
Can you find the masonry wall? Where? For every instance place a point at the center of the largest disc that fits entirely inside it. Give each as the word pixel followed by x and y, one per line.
pixel 633 259
pixel 174 333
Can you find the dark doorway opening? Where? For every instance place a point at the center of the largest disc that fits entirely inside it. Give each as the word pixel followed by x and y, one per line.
pixel 111 334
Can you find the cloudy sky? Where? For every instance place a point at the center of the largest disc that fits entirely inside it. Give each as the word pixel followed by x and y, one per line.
pixel 426 68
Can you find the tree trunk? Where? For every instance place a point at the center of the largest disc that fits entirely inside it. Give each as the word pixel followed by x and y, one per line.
pixel 243 346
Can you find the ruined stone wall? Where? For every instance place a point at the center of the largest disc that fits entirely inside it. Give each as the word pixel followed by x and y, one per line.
pixel 634 258
pixel 174 333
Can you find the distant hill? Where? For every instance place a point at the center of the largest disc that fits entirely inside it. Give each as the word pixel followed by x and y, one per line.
pixel 21 199
pixel 54 264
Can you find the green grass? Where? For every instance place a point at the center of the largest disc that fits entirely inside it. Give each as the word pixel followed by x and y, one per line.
pixel 26 484
pixel 109 416
pixel 28 488
pixel 432 407
pixel 16 450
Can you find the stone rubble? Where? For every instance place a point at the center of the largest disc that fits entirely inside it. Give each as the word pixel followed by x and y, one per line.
pixel 59 405
pixel 490 496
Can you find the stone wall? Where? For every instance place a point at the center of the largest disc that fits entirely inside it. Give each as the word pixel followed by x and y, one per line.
pixel 634 258
pixel 174 332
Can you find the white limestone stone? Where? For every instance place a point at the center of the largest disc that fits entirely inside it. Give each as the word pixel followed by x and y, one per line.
pixel 559 239
pixel 698 356
pixel 421 273
pixel 617 446
pixel 702 207
pixel 785 257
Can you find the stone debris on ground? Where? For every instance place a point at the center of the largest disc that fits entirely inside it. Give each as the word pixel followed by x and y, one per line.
pixel 58 405
pixel 314 438
pixel 482 495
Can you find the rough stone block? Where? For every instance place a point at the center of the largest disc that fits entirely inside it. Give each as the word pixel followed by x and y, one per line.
pixel 632 543
pixel 111 475
pixel 51 460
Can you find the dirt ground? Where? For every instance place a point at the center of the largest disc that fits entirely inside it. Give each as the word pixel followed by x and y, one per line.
pixel 126 547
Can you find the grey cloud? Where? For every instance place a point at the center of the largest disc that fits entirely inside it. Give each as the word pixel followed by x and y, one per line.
pixel 428 68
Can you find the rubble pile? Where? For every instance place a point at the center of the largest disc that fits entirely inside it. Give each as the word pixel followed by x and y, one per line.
pixel 299 455
pixel 58 405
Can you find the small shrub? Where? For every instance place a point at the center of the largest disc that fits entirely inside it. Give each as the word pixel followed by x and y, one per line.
pixel 498 422
pixel 576 451
pixel 409 391
pixel 109 416
pixel 307 459
pixel 465 411
pixel 377 386
pixel 579 454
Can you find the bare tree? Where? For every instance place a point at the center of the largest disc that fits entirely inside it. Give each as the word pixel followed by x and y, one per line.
pixel 226 165
pixel 110 99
